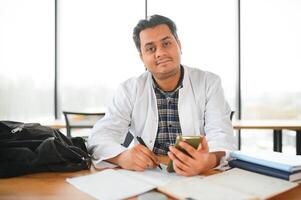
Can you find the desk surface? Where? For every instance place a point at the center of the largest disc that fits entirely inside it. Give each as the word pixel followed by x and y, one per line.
pixel 267 124
pixel 237 124
pixel 50 186
pixel 42 186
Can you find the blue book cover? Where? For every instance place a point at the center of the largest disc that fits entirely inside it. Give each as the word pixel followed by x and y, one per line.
pixel 276 160
pixel 265 170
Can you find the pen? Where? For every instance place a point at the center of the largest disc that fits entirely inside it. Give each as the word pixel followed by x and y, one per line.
pixel 142 142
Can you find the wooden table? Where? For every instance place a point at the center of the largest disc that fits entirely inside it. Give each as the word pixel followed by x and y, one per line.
pixel 42 186
pixel 277 126
pixel 52 186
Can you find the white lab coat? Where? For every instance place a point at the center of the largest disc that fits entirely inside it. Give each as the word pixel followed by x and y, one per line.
pixel 202 111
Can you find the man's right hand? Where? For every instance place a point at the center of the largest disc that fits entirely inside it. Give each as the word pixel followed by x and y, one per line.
pixel 137 158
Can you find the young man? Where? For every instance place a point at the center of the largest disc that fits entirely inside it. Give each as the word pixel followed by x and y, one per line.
pixel 169 99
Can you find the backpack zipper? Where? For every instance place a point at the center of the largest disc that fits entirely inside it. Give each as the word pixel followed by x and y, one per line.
pixel 17 129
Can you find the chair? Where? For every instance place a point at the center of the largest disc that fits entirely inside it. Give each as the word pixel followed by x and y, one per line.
pixel 231 115
pixel 80 120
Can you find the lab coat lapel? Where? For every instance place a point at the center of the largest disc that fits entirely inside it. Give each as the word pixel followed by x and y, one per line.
pixel 187 107
pixel 149 133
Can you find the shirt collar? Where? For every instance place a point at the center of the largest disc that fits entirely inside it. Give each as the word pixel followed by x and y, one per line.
pixel 179 85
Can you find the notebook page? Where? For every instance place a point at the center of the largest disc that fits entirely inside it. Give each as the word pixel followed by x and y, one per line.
pixel 155 176
pixel 233 184
pixel 196 188
pixel 251 183
pixel 110 184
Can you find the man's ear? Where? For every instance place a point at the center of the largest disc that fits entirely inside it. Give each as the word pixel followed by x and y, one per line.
pixel 141 57
pixel 180 46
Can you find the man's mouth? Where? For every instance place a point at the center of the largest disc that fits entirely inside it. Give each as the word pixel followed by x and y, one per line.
pixel 162 61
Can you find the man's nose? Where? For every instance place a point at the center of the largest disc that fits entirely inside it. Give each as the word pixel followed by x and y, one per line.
pixel 160 52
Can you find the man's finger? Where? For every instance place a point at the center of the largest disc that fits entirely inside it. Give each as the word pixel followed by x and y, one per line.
pixel 142 162
pixel 148 152
pixel 137 167
pixel 181 165
pixel 178 170
pixel 146 155
pixel 180 155
pixel 189 149
pixel 203 147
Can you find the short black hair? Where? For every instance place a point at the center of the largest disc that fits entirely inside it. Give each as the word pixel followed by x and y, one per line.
pixel 151 22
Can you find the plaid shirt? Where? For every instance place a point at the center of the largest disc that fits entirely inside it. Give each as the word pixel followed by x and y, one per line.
pixel 169 125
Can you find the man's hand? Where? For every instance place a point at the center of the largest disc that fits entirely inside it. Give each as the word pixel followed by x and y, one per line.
pixel 199 162
pixel 137 158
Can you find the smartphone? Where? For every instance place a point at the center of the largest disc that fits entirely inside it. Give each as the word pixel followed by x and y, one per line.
pixel 193 141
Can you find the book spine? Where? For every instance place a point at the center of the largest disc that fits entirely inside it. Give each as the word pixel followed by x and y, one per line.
pixel 266 163
pixel 259 169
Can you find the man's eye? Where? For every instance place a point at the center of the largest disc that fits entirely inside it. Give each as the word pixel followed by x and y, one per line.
pixel 166 44
pixel 150 49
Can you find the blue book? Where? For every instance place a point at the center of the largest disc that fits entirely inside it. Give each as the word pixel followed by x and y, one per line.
pixel 265 170
pixel 275 160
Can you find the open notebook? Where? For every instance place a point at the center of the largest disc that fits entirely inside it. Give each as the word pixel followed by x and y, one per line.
pixel 121 184
pixel 233 184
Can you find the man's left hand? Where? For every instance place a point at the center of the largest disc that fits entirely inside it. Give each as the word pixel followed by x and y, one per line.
pixel 199 161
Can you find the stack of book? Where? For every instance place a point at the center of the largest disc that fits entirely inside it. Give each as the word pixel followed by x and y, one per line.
pixel 269 163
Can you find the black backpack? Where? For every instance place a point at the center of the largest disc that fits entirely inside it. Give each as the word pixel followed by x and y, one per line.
pixel 29 147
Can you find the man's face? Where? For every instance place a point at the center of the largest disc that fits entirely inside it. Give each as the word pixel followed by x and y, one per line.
pixel 160 51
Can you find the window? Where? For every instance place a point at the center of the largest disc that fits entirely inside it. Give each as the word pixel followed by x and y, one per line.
pixel 96 51
pixel 26 59
pixel 270 49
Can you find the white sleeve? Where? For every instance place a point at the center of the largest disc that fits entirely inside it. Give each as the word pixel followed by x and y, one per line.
pixel 109 132
pixel 218 126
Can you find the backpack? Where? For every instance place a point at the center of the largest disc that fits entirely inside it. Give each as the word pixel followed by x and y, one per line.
pixel 30 147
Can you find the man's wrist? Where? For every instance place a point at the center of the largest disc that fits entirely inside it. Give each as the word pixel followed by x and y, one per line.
pixel 212 161
pixel 215 158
